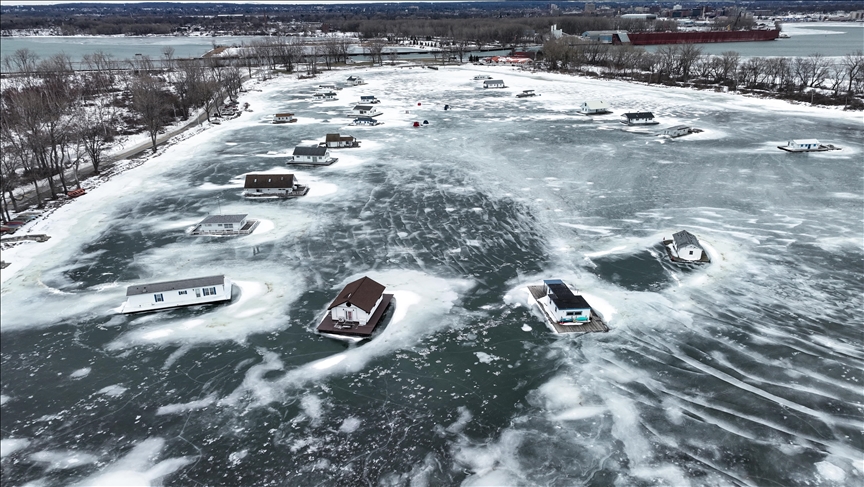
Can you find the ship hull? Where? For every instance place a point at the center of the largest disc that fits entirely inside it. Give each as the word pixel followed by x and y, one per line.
pixel 692 37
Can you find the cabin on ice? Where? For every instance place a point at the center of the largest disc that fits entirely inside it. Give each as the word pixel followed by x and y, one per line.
pixel 225 225
pixel 357 81
pixel 806 145
pixel 357 310
pixel 639 118
pixel 685 247
pixel 313 155
pixel 367 110
pixel 493 83
pixel 365 121
pixel 369 99
pixel 680 130
pixel 594 107
pixel 336 141
pixel 284 118
pixel 328 86
pixel 174 294
pixel 564 311
pixel 273 186
pixel 325 95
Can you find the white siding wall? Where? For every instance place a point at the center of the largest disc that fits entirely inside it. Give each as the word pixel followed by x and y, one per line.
pixel 684 252
pixel 342 310
pixel 170 299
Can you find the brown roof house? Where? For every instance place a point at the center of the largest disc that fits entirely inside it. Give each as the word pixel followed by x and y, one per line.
pixel 336 141
pixel 273 186
pixel 356 311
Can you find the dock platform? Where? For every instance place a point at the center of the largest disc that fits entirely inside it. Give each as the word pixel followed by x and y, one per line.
pixel 352 330
pixel 594 325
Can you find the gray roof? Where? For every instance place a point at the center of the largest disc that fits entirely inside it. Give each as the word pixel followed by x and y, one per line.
pixel 563 297
pixel 312 150
pixel 363 107
pixel 684 238
pixel 224 219
pixel 158 287
pixel 632 115
pixel 367 97
pixel 493 81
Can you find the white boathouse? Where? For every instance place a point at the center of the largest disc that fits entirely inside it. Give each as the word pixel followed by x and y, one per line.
pixel 369 99
pixel 357 302
pixel 685 246
pixel 563 305
pixel 225 225
pixel 284 118
pixel 173 294
pixel 594 107
pixel 273 185
pixel 325 95
pixel 678 131
pixel 314 154
pixel 639 118
pixel 494 83
pixel 367 110
pixel 365 121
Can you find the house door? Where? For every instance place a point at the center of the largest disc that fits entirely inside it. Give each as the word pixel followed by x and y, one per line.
pixel 349 315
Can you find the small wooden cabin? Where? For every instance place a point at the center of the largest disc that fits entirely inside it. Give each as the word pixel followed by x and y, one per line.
pixel 336 141
pixel 365 121
pixel 369 99
pixel 284 118
pixel 225 225
pixel 685 247
pixel 357 309
pixel 174 294
pixel 494 83
pixel 273 185
pixel 639 118
pixel 315 155
pixel 594 107
pixel 325 95
pixel 367 110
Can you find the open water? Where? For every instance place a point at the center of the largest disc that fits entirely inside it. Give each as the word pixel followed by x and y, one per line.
pixel 747 371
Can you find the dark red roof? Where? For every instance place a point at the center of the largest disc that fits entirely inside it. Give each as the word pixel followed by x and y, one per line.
pixel 275 181
pixel 362 293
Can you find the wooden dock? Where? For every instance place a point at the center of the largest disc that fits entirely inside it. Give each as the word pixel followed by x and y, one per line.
pixel 351 329
pixel 594 325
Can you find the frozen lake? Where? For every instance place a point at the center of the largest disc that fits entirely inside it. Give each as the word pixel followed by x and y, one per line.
pixel 744 372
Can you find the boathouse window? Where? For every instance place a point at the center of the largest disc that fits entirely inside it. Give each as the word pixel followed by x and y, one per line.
pixel 197 293
pixel 691 252
pixel 209 291
pixel 158 298
pixel 229 226
pixel 181 293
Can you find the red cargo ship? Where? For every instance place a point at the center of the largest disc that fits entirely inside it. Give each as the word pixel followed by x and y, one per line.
pixel 697 37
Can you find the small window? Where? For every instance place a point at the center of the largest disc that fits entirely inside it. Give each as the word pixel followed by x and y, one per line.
pixel 158 298
pixel 197 293
pixel 209 291
pixel 182 293
pixel 691 252
pixel 229 225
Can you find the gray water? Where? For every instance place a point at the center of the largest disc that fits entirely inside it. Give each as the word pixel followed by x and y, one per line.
pixel 743 372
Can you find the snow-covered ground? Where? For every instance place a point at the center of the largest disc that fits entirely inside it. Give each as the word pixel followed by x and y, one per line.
pixel 743 372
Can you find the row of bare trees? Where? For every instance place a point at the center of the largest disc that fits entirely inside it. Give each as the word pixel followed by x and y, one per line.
pixel 53 118
pixel 687 63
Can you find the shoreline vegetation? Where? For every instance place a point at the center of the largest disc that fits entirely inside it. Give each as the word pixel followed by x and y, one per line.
pixel 56 120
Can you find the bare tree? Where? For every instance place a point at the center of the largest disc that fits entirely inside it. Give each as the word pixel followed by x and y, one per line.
pixel 853 65
pixel 148 101
pixel 168 57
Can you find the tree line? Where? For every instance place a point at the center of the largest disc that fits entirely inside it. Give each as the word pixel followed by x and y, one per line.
pixel 53 118
pixel 812 78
